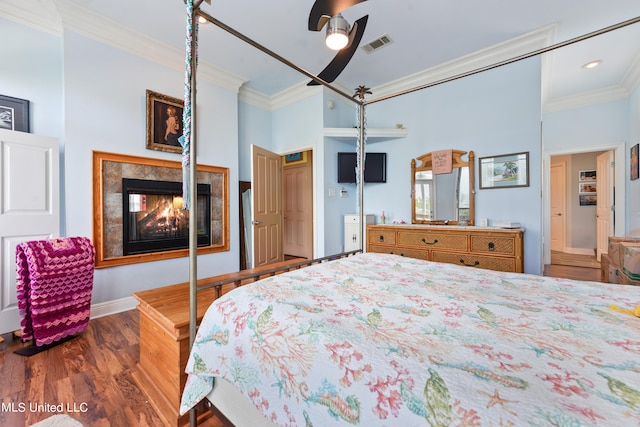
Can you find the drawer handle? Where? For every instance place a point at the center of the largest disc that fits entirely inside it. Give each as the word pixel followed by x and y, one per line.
pixel 393 253
pixel 470 265
pixel 429 243
pixel 381 238
pixel 492 246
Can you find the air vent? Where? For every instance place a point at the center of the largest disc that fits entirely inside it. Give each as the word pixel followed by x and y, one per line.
pixel 378 43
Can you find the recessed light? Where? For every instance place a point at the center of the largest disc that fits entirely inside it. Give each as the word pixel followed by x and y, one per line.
pixel 592 64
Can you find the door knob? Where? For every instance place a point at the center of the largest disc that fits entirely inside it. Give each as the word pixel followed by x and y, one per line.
pixel 255 222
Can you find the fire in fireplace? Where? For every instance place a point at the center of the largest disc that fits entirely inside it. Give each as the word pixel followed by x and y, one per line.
pixel 153 219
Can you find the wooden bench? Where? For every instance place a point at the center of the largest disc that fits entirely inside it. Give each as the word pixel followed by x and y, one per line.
pixel 164 333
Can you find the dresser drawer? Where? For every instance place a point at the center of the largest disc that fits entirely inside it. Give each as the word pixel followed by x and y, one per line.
pixel 411 253
pixel 381 237
pixel 430 240
pixel 493 245
pixel 486 262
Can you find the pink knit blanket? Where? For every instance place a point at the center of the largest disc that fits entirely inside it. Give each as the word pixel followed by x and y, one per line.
pixel 54 284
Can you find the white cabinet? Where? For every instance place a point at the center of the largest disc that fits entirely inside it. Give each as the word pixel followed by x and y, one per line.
pixel 352 230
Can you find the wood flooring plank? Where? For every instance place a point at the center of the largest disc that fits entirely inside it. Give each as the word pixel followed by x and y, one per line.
pixel 91 373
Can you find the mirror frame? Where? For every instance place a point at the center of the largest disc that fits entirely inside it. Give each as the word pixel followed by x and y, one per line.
pixel 457 162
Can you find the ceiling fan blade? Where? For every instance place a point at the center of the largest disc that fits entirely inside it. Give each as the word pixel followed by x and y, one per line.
pixel 342 58
pixel 322 10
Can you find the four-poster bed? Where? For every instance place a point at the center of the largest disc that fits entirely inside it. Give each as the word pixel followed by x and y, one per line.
pixel 452 343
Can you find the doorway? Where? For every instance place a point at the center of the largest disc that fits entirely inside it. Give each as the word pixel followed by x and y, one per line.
pixel 575 252
pixel 294 196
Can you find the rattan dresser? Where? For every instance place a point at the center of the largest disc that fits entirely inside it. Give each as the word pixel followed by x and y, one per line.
pixel 491 248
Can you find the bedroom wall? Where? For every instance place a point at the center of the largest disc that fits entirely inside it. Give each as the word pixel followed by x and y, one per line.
pixel 105 110
pixel 590 127
pixel 493 113
pixel 633 187
pixel 92 97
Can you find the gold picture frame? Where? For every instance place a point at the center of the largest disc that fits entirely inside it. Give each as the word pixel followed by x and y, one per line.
pixel 164 122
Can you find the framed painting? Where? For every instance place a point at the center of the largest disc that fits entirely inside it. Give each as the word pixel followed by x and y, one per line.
pixel 588 199
pixel 633 162
pixel 14 114
pixel 587 187
pixel 164 122
pixel 294 158
pixel 587 175
pixel 504 171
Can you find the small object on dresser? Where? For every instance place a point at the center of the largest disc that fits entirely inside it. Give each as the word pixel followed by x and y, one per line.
pixel 383 219
pixel 506 224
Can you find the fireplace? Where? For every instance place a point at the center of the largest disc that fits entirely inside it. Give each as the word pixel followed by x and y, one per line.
pixel 153 219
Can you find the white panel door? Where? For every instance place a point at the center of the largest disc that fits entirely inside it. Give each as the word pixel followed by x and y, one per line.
pixel 606 182
pixel 29 206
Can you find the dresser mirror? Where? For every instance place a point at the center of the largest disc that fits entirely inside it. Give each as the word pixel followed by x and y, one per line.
pixel 443 198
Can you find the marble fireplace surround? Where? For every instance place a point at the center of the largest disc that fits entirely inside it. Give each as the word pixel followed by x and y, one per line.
pixel 108 171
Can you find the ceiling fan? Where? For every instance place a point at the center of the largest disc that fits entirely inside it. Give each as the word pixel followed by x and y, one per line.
pixel 327 12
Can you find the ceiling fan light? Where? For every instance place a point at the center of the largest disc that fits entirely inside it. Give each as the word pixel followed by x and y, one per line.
pixel 337 33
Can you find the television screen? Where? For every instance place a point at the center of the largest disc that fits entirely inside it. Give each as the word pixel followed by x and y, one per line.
pixel 375 167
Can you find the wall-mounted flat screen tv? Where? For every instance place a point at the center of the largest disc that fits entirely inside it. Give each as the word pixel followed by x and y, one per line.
pixel 375 167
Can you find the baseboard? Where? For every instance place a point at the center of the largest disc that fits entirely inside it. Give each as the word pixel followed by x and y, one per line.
pixel 580 251
pixel 112 307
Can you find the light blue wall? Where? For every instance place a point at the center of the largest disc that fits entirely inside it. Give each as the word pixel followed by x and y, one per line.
pixel 105 110
pixel 31 68
pixel 92 97
pixel 633 187
pixel 257 131
pixel 597 125
pixel 493 113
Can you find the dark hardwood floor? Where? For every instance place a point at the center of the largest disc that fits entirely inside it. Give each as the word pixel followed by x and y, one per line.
pixel 572 266
pixel 89 375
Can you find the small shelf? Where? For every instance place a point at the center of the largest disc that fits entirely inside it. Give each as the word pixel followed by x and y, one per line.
pixel 373 134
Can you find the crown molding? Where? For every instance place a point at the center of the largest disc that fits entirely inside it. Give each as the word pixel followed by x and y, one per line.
pixel 501 52
pixel 585 99
pixel 107 31
pixel 60 15
pixel 631 79
pixel 41 15
pixel 252 97
pixel 628 84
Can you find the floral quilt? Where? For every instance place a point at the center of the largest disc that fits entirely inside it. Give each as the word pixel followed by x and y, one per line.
pixel 383 340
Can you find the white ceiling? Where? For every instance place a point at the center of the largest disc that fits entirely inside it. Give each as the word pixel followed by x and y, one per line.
pixel 426 34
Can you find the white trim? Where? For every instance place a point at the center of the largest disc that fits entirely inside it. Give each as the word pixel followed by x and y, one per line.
pixel 581 251
pixel 501 52
pixel 113 307
pixel 620 150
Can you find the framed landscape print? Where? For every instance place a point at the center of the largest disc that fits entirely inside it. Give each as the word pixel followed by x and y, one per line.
pixel 164 122
pixel 508 170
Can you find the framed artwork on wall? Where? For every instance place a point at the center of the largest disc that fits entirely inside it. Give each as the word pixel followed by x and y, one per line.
pixel 587 175
pixel 634 162
pixel 508 170
pixel 14 114
pixel 587 187
pixel 588 199
pixel 164 122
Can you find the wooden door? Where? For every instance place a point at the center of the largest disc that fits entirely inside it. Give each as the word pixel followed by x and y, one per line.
pixel 558 203
pixel 605 183
pixel 298 208
pixel 29 207
pixel 266 182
